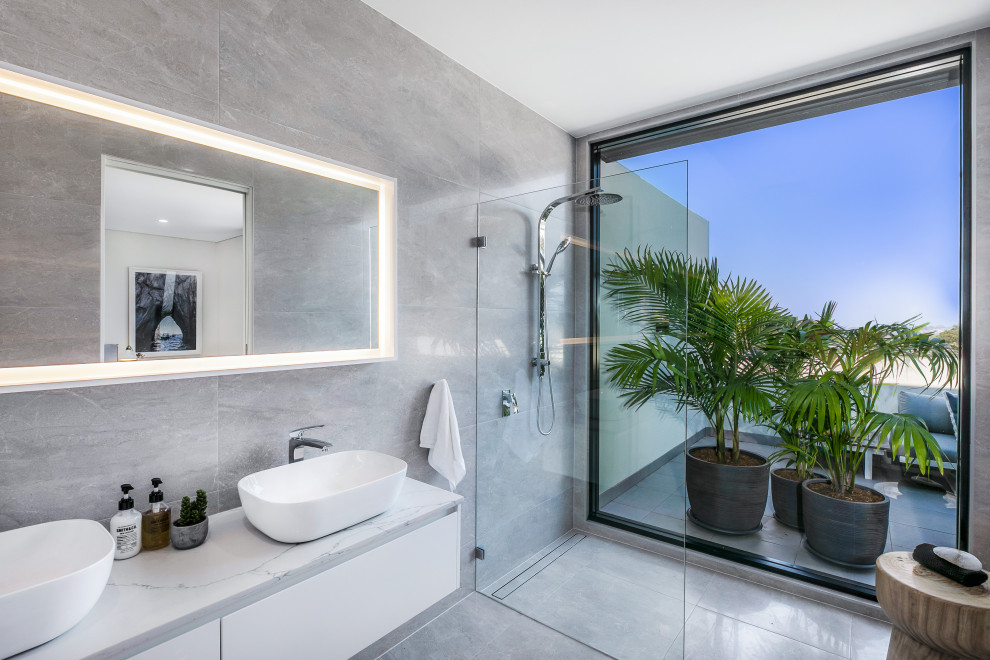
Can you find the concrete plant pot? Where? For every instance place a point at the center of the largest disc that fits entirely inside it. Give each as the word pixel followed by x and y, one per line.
pixel 851 534
pixel 190 536
pixel 786 496
pixel 729 499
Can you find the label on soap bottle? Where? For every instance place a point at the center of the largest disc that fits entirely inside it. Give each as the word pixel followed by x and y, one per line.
pixel 157 524
pixel 127 539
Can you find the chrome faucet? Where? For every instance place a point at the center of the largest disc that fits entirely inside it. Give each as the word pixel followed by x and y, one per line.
pixel 296 439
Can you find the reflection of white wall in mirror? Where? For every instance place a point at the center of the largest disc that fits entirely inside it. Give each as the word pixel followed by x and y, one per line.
pixel 222 266
pixel 230 334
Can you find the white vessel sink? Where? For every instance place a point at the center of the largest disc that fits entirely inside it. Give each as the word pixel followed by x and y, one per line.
pixel 51 576
pixel 306 500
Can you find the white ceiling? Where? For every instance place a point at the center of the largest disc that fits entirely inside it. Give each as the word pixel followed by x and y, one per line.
pixel 587 65
pixel 135 202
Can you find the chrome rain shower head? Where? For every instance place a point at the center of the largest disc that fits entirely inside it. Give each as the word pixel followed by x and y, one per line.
pixel 598 199
pixel 590 197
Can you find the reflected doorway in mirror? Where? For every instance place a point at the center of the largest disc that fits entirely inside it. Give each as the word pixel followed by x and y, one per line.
pixel 165 312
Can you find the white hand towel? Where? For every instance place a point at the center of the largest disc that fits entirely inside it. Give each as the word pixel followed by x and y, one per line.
pixel 441 436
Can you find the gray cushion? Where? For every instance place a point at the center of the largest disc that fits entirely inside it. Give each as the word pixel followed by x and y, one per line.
pixel 946 442
pixel 949 446
pixel 932 410
pixel 952 401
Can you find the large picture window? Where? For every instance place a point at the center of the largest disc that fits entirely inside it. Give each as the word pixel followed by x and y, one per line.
pixel 846 205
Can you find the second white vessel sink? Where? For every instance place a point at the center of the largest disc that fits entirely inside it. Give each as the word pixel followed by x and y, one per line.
pixel 51 576
pixel 306 500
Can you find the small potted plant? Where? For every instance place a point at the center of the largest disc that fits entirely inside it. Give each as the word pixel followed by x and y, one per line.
pixel 190 530
pixel 800 455
pixel 710 344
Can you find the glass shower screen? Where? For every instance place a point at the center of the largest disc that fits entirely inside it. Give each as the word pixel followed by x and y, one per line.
pixel 557 449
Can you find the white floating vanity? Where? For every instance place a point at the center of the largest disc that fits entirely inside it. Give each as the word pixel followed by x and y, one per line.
pixel 243 596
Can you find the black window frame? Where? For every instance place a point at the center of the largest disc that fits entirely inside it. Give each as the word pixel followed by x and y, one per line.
pixel 965 328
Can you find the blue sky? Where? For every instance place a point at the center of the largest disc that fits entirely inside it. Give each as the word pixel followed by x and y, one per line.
pixel 860 207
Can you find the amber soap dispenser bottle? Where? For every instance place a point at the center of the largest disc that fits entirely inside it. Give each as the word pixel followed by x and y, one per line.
pixel 156 522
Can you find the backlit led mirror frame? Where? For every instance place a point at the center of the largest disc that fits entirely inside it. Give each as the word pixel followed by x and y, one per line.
pixel 31 86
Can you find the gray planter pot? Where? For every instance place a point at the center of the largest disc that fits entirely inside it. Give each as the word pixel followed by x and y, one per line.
pixel 191 536
pixel 847 533
pixel 786 497
pixel 727 498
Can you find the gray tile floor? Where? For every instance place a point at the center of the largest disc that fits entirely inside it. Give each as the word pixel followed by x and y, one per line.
pixel 917 515
pixel 598 598
pixel 480 628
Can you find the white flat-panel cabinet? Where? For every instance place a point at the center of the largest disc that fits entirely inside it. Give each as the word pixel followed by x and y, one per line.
pixel 341 611
pixel 201 643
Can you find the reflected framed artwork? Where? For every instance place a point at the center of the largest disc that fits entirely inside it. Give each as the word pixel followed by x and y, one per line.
pixel 165 312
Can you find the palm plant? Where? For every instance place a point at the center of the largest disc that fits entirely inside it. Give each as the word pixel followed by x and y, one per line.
pixel 834 403
pixel 794 360
pixel 795 448
pixel 708 342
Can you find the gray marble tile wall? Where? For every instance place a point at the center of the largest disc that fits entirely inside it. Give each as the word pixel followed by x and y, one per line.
pixel 978 360
pixel 333 78
pixel 50 213
pixel 312 262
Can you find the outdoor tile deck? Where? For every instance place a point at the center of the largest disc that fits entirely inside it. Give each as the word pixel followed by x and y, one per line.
pixel 917 515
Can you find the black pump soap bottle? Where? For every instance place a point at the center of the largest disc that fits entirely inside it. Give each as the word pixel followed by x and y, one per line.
pixel 125 526
pixel 156 522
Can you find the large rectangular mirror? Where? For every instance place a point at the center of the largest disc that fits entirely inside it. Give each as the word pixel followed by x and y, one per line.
pixel 140 245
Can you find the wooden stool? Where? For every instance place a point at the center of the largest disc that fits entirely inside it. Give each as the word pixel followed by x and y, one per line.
pixel 934 618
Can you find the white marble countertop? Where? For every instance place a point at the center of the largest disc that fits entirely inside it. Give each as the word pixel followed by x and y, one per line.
pixel 159 595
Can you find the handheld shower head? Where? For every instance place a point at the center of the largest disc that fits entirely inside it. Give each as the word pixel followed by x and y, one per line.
pixel 560 248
